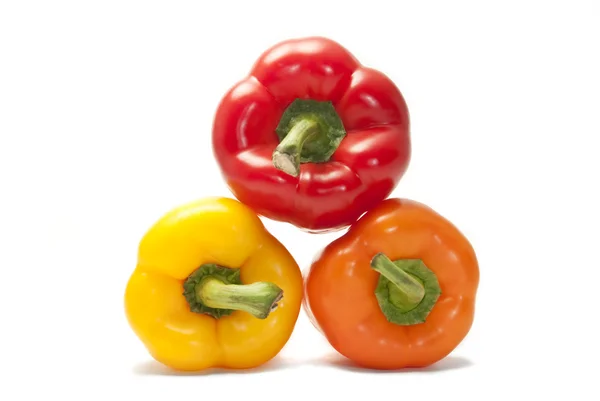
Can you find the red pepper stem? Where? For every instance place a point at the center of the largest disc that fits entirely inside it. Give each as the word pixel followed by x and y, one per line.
pixel 286 156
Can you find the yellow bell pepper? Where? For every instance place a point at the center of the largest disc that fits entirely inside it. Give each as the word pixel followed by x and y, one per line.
pixel 213 288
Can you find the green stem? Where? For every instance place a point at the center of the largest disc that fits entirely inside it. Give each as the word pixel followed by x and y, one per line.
pixel 258 299
pixel 287 154
pixel 309 131
pixel 410 291
pixel 407 290
pixel 218 291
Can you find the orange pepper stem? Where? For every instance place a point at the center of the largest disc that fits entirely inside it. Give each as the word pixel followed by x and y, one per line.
pixel 218 291
pixel 407 290
pixel 286 156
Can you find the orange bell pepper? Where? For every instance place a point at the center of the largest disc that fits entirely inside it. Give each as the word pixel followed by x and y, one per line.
pixel 397 290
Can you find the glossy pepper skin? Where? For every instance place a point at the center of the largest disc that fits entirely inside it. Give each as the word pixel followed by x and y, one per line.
pixel 210 231
pixel 340 287
pixel 366 165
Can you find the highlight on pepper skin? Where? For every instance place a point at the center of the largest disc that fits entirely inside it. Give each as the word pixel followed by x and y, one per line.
pixel 311 136
pixel 397 290
pixel 213 288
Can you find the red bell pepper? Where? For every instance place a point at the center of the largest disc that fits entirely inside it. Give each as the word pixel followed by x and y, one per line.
pixel 311 136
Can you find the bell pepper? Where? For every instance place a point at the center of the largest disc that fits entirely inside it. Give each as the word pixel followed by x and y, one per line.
pixel 312 137
pixel 212 288
pixel 397 290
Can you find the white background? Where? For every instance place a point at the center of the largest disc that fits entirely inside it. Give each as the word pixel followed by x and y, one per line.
pixel 105 117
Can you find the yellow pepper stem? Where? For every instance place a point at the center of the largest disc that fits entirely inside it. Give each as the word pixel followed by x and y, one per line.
pixel 218 291
pixel 258 299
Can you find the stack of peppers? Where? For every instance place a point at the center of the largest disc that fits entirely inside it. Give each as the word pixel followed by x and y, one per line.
pixel 313 138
